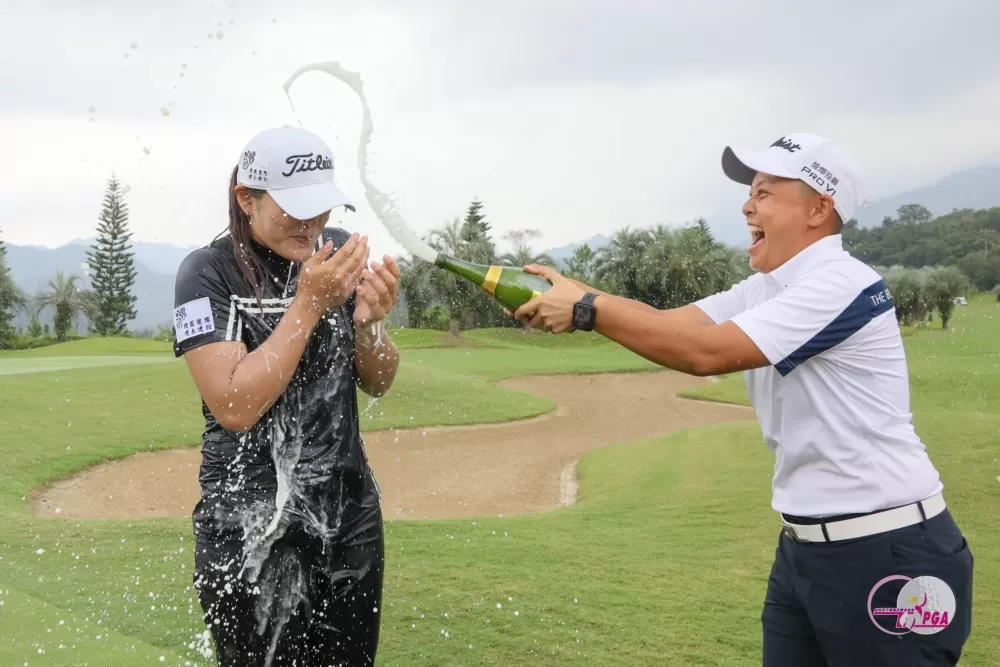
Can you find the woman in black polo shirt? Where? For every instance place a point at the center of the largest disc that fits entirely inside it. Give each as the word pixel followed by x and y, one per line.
pixel 279 322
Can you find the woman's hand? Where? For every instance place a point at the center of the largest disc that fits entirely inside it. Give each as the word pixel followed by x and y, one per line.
pixel 327 282
pixel 378 292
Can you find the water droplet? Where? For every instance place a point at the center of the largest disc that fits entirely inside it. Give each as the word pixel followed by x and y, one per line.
pixel 134 45
pixel 91 108
pixel 164 111
pixel 218 34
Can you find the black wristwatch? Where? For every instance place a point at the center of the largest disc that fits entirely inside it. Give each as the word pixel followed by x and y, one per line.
pixel 584 313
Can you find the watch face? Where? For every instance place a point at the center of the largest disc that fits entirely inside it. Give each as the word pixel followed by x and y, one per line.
pixel 582 316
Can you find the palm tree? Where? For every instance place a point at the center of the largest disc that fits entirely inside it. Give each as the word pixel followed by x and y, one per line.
pixel 90 306
pixel 456 291
pixel 468 305
pixel 619 262
pixel 581 266
pixel 907 288
pixel 448 239
pixel 945 284
pixel 67 300
pixel 522 255
pixel 683 265
pixel 416 289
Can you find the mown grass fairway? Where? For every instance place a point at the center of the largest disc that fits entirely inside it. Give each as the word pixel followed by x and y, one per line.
pixel 663 561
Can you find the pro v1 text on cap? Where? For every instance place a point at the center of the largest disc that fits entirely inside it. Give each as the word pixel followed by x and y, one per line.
pixel 821 163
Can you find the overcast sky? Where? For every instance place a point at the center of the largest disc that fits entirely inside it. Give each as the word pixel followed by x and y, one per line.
pixel 574 118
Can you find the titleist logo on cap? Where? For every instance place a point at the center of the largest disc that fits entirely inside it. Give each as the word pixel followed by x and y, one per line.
pixel 786 144
pixel 307 162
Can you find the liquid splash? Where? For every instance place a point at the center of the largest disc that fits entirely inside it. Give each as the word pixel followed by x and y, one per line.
pixel 380 203
pixel 274 529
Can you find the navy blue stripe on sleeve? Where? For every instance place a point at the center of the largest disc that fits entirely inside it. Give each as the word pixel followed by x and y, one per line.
pixel 873 301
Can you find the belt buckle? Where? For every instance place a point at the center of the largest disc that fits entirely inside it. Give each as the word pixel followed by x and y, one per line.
pixel 790 533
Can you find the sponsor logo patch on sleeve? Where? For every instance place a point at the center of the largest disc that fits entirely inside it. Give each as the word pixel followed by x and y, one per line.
pixel 194 318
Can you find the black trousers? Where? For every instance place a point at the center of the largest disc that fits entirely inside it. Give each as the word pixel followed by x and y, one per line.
pixel 830 604
pixel 315 604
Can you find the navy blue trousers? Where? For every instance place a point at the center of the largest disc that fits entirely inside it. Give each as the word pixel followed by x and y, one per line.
pixel 825 606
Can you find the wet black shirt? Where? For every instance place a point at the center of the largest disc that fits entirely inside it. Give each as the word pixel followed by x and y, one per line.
pixel 306 453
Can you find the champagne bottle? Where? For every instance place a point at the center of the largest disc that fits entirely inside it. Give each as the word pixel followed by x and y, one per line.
pixel 510 285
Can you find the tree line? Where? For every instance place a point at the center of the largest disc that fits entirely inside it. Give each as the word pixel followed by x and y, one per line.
pixel 107 305
pixel 437 299
pixel 663 266
pixel 927 263
pixel 968 239
pixel 918 293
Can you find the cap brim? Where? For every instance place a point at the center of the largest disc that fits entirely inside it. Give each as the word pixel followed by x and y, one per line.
pixel 309 201
pixel 741 165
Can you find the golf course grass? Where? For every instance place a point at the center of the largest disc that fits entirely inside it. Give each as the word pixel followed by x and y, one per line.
pixel 663 560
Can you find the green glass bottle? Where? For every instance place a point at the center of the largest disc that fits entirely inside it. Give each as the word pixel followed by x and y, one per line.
pixel 510 285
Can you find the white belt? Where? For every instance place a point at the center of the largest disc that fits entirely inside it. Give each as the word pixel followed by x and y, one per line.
pixel 870 524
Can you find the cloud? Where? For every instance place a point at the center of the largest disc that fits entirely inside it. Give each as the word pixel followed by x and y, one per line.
pixel 570 117
pixel 870 52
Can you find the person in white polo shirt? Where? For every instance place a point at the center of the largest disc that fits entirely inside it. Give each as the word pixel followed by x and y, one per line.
pixel 871 568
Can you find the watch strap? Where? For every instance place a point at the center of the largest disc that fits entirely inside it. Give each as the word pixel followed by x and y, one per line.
pixel 585 305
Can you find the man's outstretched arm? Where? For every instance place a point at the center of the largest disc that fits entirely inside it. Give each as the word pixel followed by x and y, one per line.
pixel 686 344
pixel 684 339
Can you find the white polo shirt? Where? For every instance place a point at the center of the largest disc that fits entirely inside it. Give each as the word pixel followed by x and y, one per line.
pixel 834 405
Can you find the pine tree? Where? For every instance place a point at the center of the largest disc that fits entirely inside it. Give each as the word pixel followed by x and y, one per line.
pixel 475 229
pixel 702 226
pixel 478 309
pixel 11 299
pixel 112 264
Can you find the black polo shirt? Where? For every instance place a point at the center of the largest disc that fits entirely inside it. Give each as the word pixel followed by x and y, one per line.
pixel 311 435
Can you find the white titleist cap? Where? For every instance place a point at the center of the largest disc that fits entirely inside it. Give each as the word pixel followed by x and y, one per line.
pixel 295 167
pixel 821 163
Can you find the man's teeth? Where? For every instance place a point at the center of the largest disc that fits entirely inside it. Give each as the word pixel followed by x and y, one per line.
pixel 754 229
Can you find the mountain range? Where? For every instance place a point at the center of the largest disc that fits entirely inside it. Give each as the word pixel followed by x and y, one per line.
pixel 975 188
pixel 156 263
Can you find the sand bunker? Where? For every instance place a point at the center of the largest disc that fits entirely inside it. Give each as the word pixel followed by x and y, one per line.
pixel 443 472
